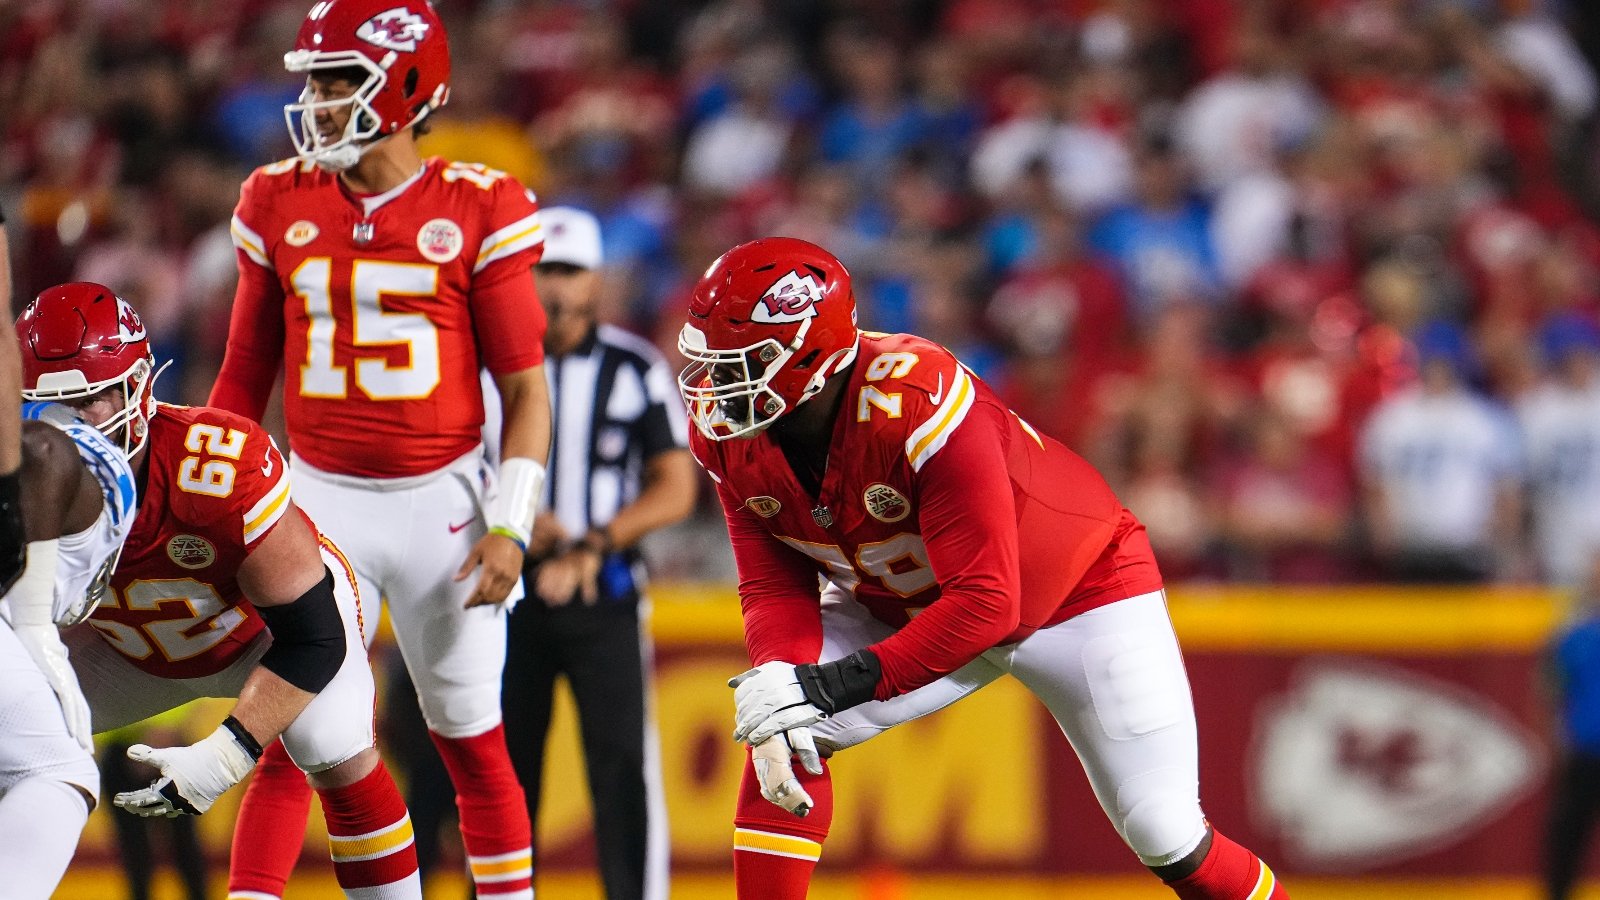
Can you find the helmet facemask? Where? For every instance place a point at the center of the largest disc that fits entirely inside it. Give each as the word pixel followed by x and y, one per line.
pixel 360 129
pixel 729 392
pixel 129 426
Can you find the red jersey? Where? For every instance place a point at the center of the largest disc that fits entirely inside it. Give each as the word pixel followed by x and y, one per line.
pixel 940 510
pixel 381 311
pixel 215 485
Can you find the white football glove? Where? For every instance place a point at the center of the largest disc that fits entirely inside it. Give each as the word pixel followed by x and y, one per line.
pixel 767 700
pixel 192 777
pixel 776 774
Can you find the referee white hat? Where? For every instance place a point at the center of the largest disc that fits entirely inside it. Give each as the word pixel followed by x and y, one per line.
pixel 571 236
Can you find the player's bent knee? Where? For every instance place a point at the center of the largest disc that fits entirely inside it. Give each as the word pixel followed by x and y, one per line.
pixel 458 711
pixel 346 773
pixel 1163 829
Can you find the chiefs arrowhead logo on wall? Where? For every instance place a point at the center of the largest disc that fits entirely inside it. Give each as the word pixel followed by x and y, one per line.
pixel 790 299
pixel 1360 766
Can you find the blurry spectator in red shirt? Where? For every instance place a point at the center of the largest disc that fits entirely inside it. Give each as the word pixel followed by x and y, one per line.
pixel 1284 508
pixel 1175 407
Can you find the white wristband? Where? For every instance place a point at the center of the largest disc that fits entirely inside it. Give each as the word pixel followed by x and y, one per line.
pixel 516 499
pixel 32 599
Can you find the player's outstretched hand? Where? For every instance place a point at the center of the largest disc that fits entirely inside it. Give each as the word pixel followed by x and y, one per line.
pixel 768 699
pixel 775 773
pixel 500 559
pixel 192 777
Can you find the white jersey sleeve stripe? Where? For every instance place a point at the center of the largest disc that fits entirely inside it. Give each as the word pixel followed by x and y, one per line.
pixel 514 238
pixel 251 243
pixel 267 511
pixel 931 435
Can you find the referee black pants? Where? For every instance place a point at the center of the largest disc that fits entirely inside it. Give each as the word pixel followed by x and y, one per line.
pixel 1574 806
pixel 599 649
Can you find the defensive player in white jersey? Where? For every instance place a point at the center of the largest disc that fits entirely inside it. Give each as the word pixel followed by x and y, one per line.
pixel 76 503
pixel 381 283
pixel 224 588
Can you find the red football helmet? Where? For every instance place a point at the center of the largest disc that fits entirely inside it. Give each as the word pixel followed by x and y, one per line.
pixel 769 323
pixel 79 339
pixel 399 44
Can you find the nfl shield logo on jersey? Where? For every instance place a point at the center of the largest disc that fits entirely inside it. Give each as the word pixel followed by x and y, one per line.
pixel 191 552
pixel 823 516
pixel 885 503
pixel 765 507
pixel 440 240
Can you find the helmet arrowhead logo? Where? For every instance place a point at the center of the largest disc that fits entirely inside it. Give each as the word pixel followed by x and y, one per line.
pixel 129 326
pixel 790 299
pixel 394 29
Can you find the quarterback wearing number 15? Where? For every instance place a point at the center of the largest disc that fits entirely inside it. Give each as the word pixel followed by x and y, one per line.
pixel 956 545
pixel 381 284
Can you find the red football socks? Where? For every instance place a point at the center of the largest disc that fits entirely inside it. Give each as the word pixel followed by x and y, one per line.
pixel 369 833
pixel 494 815
pixel 1229 872
pixel 271 828
pixel 774 851
pixel 370 840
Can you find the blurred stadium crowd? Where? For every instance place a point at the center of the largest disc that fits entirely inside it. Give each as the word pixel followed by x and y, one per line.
pixel 1313 281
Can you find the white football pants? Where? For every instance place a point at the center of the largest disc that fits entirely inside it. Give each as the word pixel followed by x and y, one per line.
pixel 406 537
pixel 1113 678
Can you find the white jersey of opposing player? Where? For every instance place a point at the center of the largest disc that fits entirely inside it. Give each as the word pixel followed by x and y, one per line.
pixel 1561 430
pixel 87 558
pixel 1440 458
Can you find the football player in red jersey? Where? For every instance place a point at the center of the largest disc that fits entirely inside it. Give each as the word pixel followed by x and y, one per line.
pixel 957 545
pixel 381 283
pixel 224 589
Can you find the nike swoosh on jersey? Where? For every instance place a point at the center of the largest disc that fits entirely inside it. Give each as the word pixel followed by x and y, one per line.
pixel 938 396
pixel 266 470
pixel 456 528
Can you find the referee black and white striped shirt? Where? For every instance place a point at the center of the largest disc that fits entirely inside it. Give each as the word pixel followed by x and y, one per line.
pixel 614 405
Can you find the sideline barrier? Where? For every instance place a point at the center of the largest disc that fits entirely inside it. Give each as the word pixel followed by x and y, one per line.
pixel 1376 732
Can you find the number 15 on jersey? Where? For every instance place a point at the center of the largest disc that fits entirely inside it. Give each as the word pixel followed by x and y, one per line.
pixel 370 326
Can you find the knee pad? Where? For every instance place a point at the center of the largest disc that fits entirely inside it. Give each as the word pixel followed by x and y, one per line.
pixel 458 711
pixel 1159 816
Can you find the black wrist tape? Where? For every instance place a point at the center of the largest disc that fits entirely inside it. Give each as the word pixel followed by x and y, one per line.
pixel 13 537
pixel 841 684
pixel 244 737
pixel 308 644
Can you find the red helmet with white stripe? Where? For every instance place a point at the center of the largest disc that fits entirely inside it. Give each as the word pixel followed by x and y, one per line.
pixel 769 323
pixel 79 339
pixel 400 47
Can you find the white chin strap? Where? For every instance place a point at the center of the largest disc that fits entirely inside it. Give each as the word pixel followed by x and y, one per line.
pixel 337 159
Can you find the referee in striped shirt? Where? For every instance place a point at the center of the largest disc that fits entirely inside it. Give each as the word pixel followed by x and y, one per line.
pixel 619 468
